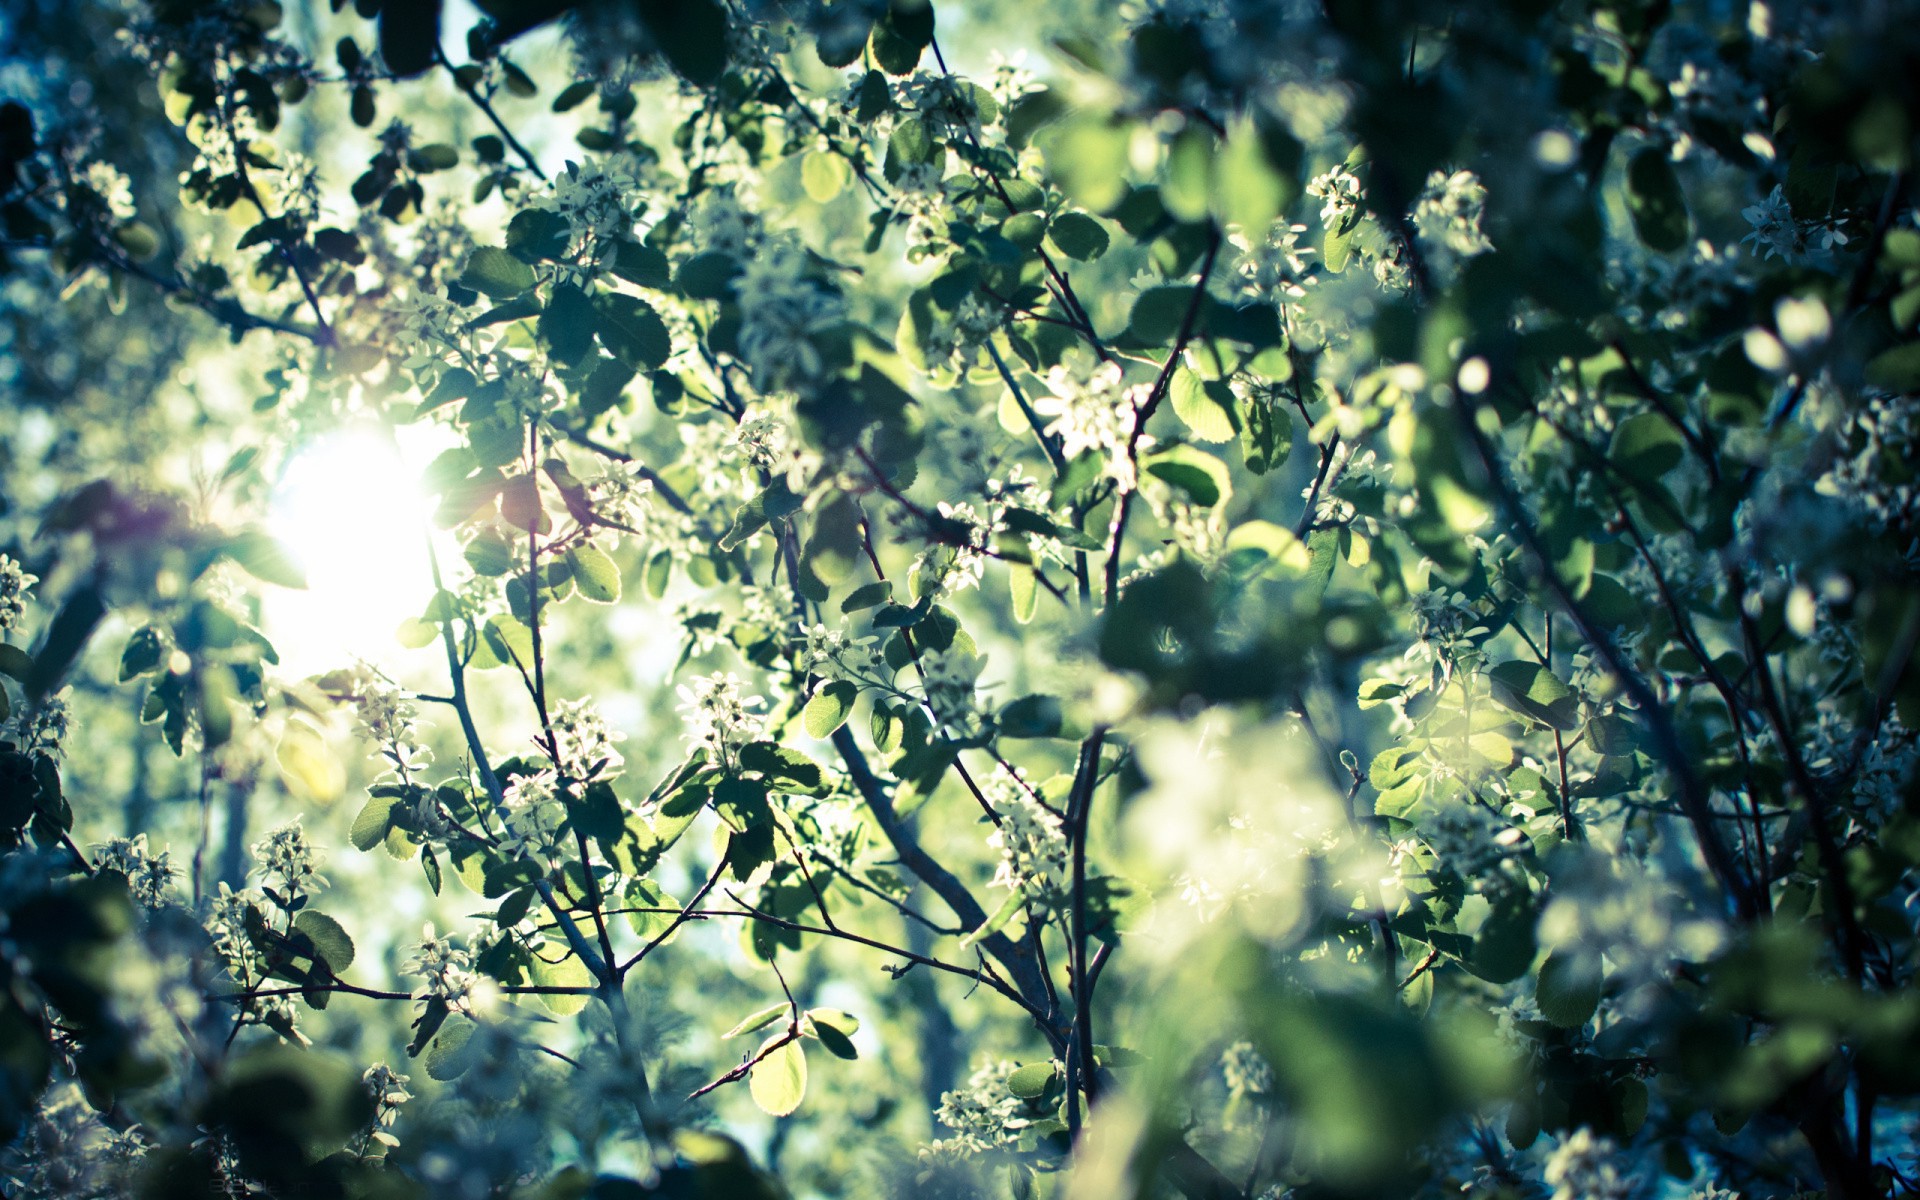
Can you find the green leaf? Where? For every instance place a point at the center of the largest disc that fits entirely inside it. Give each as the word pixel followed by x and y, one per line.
pixel 331 941
pixel 264 558
pixel 1535 692
pixel 829 708
pixel 758 1021
pixel 1655 201
pixel 18 663
pixel 494 272
pixel 453 1051
pixel 375 819
pixel 566 324
pixel 1203 477
pixel 1031 717
pixel 835 1029
pixel 783 765
pixel 1030 1081
pixel 1158 313
pixel 778 1082
pixel 1078 236
pixel 642 265
pixel 1024 230
pixel 909 146
pixel 141 656
pixel 594 574
pixel 1646 447
pixel 490 554
pixel 824 175
pixel 692 34
pixel 1568 990
pixel 633 331
pixel 1504 948
pixel 537 233
pixel 569 972
pixel 1266 436
pixel 1207 408
pixel 707 276
pixel 867 595
pixel 1009 908
pixel 1896 370
pixel 409 35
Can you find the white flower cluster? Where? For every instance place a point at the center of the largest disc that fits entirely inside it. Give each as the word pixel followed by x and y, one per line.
pixel 1008 79
pixel 957 560
pixel 721 223
pixel 15 583
pixel 44 728
pixel 1604 905
pixel 920 195
pixel 1442 619
pixel 1032 843
pixel 286 854
pixel 1584 1167
pixel 621 495
pixel 388 1090
pixel 949 678
pixel 1340 194
pixel 597 198
pixel 969 331
pixel 110 185
pixel 387 717
pixel 534 814
pixel 784 306
pixel 983 1115
pixel 584 746
pixel 1470 840
pixel 1781 235
pixel 763 440
pixel 1276 269
pixel 1876 443
pixel 1247 1072
pixel 719 719
pixel 226 924
pixel 149 876
pixel 66 1152
pixel 446 971
pixel 831 655
pixel 427 326
pixel 1449 213
pixel 1095 417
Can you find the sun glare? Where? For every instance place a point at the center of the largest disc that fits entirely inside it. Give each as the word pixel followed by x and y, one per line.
pixel 350 511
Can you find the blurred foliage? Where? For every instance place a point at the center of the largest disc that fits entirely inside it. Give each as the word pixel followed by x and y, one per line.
pixel 1230 598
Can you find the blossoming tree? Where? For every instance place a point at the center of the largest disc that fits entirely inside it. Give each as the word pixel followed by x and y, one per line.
pixel 1291 599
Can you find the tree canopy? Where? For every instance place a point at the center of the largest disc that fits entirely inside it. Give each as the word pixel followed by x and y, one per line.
pixel 731 599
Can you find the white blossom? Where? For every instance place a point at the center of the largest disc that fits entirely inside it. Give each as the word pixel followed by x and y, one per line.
pixel 983 1115
pixel 584 746
pixel 15 583
pixel 149 876
pixel 1032 843
pixel 1583 1167
pixel 1094 417
pixel 1449 213
pixel 286 854
pixel 719 719
pixel 446 971
pixel 1340 193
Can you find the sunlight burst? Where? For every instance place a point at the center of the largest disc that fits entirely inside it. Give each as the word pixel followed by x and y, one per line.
pixel 350 510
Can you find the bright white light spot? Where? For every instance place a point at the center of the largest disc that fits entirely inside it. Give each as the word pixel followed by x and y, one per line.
pixel 1803 324
pixel 1554 150
pixel 350 511
pixel 1764 350
pixel 1474 376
